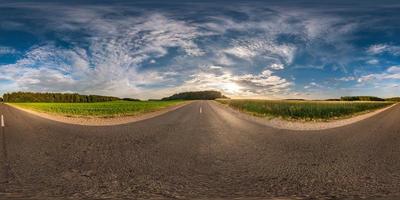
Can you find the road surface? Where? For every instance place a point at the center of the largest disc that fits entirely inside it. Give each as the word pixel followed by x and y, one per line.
pixel 202 151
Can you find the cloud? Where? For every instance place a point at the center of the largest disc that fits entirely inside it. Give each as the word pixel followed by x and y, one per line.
pixel 394 70
pixel 241 52
pixel 276 66
pixel 110 64
pixel 373 61
pixel 313 85
pixel 264 83
pixel 392 73
pixel 7 50
pixel 261 47
pixel 384 48
pixel 215 67
pixel 126 50
pixel 346 79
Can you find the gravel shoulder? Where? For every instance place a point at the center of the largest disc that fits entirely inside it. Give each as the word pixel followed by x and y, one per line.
pixel 303 125
pixel 101 121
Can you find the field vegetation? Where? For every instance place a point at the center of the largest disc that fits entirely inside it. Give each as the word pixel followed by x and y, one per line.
pixel 304 110
pixel 98 109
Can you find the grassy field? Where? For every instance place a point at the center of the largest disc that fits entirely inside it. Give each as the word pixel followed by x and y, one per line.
pixel 100 109
pixel 304 110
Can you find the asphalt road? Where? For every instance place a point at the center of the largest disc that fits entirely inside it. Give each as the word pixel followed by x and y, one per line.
pixel 199 151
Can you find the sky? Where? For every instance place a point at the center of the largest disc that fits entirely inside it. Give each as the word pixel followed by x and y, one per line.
pixel 245 49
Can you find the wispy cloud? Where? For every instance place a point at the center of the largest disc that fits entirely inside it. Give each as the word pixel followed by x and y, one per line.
pixel 4 50
pixel 110 63
pixel 347 78
pixel 262 47
pixel 384 48
pixel 265 82
pixel 392 73
pixel 373 61
pixel 128 50
pixel 276 66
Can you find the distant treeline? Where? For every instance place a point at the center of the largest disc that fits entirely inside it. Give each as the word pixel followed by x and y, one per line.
pixel 20 97
pixel 393 99
pixel 199 95
pixel 130 99
pixel 361 98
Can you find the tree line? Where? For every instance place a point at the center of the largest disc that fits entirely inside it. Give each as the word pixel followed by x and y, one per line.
pixel 361 98
pixel 21 97
pixel 199 95
pixel 393 99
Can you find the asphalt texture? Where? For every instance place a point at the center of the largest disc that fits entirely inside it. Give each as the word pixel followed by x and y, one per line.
pixel 199 151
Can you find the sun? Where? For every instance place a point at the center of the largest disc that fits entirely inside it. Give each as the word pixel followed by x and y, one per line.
pixel 231 87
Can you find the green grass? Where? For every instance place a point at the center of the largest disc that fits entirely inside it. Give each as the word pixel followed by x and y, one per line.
pixel 304 110
pixel 100 109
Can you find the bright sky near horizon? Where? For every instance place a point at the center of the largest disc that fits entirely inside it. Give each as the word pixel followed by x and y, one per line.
pixel 250 49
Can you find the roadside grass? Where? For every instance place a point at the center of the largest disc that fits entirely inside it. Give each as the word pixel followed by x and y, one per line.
pixel 304 110
pixel 99 109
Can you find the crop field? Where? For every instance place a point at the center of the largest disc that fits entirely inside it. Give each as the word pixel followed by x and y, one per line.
pixel 99 109
pixel 304 110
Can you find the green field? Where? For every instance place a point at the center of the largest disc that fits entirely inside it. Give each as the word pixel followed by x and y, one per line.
pixel 304 110
pixel 100 109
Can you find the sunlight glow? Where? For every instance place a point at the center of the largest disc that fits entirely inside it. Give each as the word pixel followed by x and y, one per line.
pixel 231 88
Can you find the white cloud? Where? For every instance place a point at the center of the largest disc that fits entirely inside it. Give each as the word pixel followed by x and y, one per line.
pixel 248 49
pixel 384 48
pixel 373 61
pixel 241 52
pixel 215 67
pixel 117 49
pixel 394 69
pixel 276 66
pixel 313 85
pixel 117 46
pixel 7 50
pixel 346 79
pixel 392 73
pixel 377 48
pixel 264 83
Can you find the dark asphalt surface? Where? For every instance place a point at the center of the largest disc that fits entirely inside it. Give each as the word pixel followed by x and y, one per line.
pixel 186 154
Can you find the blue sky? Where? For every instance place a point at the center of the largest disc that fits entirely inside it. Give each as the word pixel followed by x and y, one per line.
pixel 247 49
